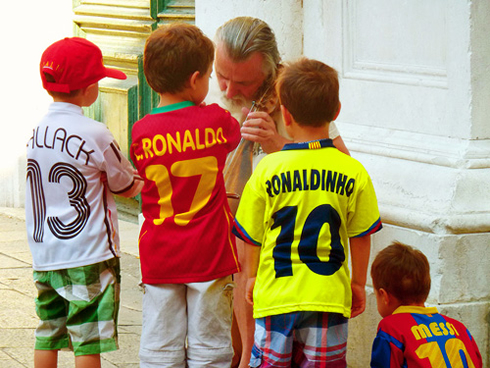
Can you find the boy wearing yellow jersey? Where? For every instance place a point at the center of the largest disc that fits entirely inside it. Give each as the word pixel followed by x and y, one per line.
pixel 300 210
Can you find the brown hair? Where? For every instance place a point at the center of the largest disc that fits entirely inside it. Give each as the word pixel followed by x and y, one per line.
pixel 309 90
pixel 60 95
pixel 173 53
pixel 402 271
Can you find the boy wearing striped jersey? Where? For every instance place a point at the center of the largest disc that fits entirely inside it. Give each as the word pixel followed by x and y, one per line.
pixel 411 335
pixel 73 167
pixel 300 211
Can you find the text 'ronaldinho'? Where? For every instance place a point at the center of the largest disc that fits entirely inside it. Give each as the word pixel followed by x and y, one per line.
pixel 297 180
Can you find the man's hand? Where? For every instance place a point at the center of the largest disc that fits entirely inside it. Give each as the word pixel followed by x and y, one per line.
pixel 358 300
pixel 259 127
pixel 249 291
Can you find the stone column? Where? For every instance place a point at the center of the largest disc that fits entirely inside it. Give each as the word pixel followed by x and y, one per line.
pixel 415 92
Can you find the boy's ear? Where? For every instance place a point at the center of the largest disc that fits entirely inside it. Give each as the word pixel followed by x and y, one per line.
pixel 385 296
pixel 286 115
pixel 338 112
pixel 87 90
pixel 193 79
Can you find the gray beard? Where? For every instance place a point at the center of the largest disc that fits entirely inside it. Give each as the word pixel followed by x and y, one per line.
pixel 240 101
pixel 236 102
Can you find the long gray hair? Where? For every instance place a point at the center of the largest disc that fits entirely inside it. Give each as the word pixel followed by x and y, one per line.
pixel 242 36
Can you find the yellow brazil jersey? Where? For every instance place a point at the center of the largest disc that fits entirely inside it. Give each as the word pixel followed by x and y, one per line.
pixel 301 206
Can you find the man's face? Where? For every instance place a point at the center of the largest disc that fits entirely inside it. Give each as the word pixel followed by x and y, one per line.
pixel 239 80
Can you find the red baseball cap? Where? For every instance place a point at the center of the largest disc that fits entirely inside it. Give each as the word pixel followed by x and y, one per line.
pixel 74 63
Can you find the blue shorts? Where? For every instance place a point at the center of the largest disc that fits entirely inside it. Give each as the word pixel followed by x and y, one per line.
pixel 300 339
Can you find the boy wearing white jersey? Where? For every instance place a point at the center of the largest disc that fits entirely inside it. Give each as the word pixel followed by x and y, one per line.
pixel 299 212
pixel 73 167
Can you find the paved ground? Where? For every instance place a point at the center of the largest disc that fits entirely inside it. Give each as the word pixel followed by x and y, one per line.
pixel 17 292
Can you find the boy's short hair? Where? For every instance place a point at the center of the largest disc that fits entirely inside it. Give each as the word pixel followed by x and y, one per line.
pixel 50 79
pixel 309 90
pixel 72 64
pixel 402 271
pixel 173 53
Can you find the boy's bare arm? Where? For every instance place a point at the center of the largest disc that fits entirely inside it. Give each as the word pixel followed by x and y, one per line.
pixel 360 249
pixel 131 192
pixel 135 188
pixel 250 266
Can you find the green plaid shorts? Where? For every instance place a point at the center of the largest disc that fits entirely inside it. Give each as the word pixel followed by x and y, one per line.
pixel 78 308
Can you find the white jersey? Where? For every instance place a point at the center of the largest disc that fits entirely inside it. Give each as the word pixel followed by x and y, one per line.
pixel 71 215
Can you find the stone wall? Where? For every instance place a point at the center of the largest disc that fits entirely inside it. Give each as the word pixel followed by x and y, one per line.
pixel 26 32
pixel 415 93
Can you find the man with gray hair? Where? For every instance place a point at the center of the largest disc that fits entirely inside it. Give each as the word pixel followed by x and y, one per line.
pixel 246 64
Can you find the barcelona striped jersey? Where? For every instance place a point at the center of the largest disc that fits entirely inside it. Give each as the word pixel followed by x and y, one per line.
pixel 419 337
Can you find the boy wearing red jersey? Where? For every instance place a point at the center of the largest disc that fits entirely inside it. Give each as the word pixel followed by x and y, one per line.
pixel 411 335
pixel 187 251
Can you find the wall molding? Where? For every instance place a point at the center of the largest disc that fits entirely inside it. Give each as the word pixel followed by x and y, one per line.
pixel 382 69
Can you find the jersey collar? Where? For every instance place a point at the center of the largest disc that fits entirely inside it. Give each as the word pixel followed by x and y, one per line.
pixel 321 143
pixel 415 309
pixel 173 107
pixel 65 106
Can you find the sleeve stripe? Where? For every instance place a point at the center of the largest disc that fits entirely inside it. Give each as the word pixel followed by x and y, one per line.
pixel 377 226
pixel 391 339
pixel 116 151
pixel 123 190
pixel 240 232
pixel 385 349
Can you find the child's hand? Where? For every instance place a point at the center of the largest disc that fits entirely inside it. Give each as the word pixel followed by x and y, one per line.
pixel 358 300
pixel 249 291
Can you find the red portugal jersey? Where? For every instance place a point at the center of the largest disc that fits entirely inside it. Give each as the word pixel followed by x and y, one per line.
pixel 418 337
pixel 180 151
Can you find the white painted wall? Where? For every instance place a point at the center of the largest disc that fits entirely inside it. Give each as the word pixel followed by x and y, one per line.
pixel 285 19
pixel 27 28
pixel 415 92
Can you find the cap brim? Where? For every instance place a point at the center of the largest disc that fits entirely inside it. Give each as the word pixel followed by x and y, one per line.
pixel 114 73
